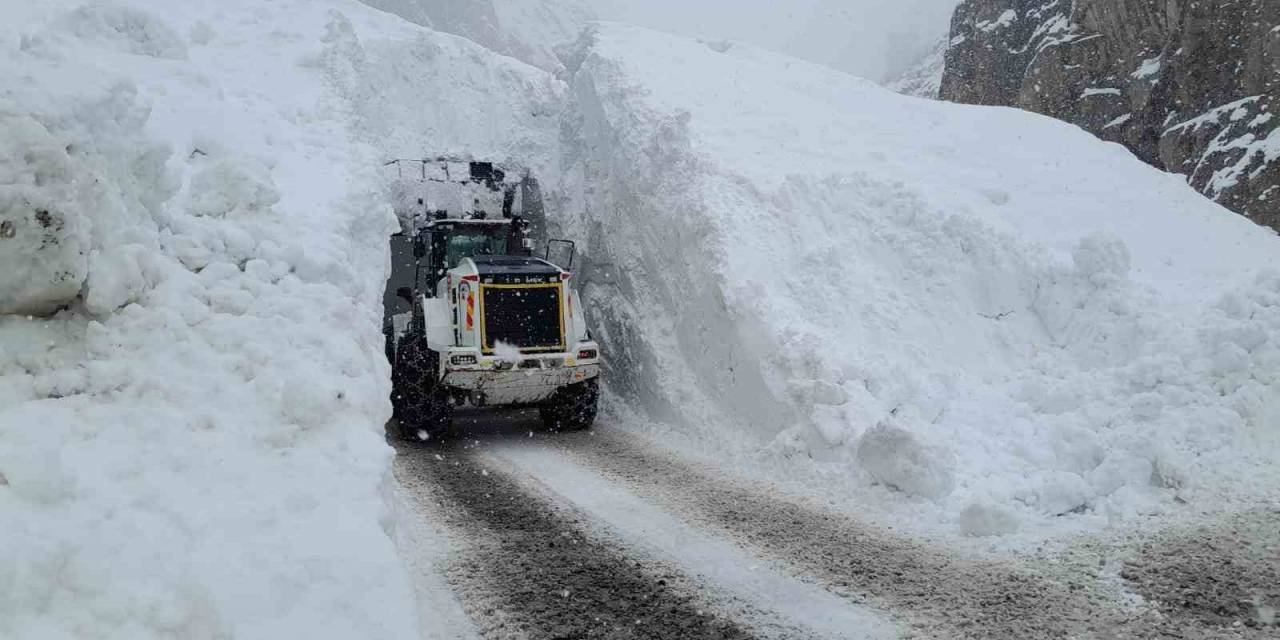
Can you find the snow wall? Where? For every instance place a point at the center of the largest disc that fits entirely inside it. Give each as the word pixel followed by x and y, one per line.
pixel 193 223
pixel 526 30
pixel 986 310
pixel 192 385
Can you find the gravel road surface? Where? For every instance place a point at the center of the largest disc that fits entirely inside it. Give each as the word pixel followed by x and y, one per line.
pixel 602 535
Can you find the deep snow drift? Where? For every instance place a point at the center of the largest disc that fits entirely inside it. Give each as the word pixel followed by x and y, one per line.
pixel 192 447
pixel 983 309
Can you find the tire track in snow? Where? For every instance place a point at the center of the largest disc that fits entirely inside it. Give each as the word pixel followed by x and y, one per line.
pixel 426 548
pixel 525 569
pixel 718 563
pixel 942 595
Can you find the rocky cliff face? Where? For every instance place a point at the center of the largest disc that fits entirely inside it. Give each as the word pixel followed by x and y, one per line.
pixel 1190 86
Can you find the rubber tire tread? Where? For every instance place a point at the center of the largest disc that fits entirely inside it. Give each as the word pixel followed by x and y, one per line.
pixel 573 407
pixel 420 403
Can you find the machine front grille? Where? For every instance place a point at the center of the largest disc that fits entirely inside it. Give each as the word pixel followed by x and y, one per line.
pixel 527 316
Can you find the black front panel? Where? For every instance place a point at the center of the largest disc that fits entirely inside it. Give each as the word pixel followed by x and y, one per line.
pixel 525 316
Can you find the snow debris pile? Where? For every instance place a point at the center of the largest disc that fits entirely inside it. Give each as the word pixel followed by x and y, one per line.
pixel 984 309
pixel 192 384
pixel 42 228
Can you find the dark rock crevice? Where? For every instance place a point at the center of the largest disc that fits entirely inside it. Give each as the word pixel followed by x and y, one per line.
pixel 1191 87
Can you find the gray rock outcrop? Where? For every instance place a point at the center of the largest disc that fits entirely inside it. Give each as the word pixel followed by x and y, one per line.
pixel 1190 86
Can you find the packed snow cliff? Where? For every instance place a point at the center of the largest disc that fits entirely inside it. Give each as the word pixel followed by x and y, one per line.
pixel 980 309
pixel 193 248
pixel 192 385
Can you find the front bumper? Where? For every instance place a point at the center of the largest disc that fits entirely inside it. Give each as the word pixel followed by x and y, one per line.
pixel 491 382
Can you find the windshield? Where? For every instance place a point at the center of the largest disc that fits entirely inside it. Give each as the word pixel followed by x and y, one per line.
pixel 467 241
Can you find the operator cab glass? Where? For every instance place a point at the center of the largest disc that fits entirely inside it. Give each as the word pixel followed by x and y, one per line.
pixel 454 240
pixel 465 241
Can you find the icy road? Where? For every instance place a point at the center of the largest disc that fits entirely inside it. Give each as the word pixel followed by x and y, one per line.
pixel 517 533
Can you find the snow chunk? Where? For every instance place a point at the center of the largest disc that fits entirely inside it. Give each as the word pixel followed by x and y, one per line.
pixel 116 278
pixel 1058 493
pixel 1118 470
pixel 507 352
pixel 125 29
pixel 231 186
pixel 985 519
pixel 44 233
pixel 895 458
pixel 1101 257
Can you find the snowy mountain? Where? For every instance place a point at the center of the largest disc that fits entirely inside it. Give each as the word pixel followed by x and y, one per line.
pixel 1189 87
pixel 923 78
pixel 929 313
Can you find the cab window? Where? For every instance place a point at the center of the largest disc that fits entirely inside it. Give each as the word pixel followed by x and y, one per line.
pixel 474 242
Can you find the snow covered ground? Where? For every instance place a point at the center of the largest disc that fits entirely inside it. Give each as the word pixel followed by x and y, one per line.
pixel 193 446
pixel 960 319
pixel 990 315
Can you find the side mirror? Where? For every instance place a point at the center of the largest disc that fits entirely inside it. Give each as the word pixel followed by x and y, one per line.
pixel 405 293
pixel 419 247
pixel 560 253
pixel 527 243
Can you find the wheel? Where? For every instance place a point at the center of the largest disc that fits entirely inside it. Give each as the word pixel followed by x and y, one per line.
pixel 389 345
pixel 420 403
pixel 572 408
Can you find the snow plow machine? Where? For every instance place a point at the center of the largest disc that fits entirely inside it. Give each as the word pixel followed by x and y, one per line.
pixel 472 315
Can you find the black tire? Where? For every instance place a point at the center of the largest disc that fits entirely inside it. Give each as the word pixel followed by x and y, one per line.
pixel 421 404
pixel 389 346
pixel 572 408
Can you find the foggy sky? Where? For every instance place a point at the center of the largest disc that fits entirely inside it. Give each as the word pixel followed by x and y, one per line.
pixel 868 38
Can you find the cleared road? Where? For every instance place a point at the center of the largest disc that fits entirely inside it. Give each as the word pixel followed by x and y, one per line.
pixel 525 534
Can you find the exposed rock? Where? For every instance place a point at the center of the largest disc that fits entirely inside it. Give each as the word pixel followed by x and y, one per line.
pixel 1189 86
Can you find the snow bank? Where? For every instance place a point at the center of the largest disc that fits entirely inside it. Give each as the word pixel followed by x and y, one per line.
pixel 412 93
pixel 192 385
pixel 785 256
pixel 43 230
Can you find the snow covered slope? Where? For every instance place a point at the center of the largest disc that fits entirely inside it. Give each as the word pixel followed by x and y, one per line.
pixel 192 447
pixel 981 307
